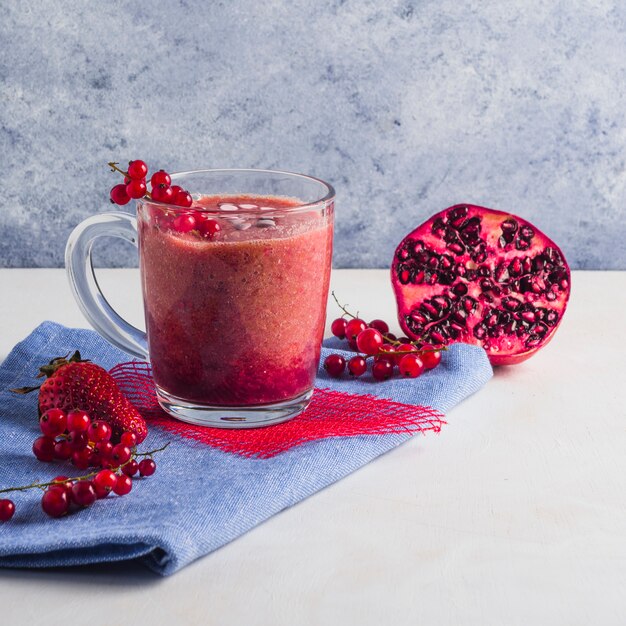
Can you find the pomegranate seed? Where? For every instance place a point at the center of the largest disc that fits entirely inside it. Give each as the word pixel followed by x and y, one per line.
pixel 43 449
pixel 136 189
pixel 163 193
pixel 83 493
pixel 334 364
pixel 432 358
pixel 380 325
pixel 338 328
pixel 369 341
pixel 382 370
pixel 78 420
pixel 160 178
pixel 357 366
pixel 119 195
pixel 411 366
pixel 184 223
pixel 55 501
pixel 354 327
pixel 147 467
pixel 124 485
pixel 7 509
pixel 137 170
pixel 53 422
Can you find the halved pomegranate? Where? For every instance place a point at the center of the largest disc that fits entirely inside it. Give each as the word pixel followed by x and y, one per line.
pixel 475 275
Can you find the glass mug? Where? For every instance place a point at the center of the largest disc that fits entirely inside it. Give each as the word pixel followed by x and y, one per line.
pixel 234 319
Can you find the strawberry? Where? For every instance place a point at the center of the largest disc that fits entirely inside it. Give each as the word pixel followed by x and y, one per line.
pixel 80 384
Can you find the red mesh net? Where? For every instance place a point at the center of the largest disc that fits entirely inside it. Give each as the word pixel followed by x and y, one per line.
pixel 330 414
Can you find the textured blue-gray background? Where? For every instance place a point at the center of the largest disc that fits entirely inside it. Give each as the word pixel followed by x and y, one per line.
pixel 405 106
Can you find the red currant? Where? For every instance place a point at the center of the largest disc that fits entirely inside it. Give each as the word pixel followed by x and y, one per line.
pixel 162 193
pixel 338 328
pixel 78 420
pixel 182 198
pixel 7 508
pixel 357 366
pixel 131 468
pixel 354 327
pixel 101 454
pixel 53 422
pixel 119 195
pixel 380 326
pixel 369 341
pixel 104 481
pixel 147 467
pixel 382 370
pixel 334 364
pixel 177 188
pixel 160 178
pixel 411 366
pixel 55 501
pixel 184 223
pixel 120 454
pixel 208 227
pixel 82 458
pixel 62 450
pixel 402 350
pixel 123 485
pixel 431 358
pixel 64 482
pixel 384 353
pixel 83 493
pixel 100 431
pixel 137 170
pixel 78 440
pixel 129 439
pixel 136 189
pixel 43 448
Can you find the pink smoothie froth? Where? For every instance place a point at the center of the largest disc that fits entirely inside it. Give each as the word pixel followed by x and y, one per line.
pixel 238 320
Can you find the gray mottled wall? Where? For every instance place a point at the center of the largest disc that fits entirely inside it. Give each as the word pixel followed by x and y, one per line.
pixel 405 106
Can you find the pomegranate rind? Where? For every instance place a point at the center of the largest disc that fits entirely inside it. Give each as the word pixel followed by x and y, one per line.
pixel 464 255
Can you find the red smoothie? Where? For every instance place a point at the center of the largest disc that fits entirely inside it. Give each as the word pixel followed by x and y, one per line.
pixel 237 319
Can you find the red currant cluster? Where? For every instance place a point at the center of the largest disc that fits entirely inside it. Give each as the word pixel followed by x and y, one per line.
pixel 374 341
pixel 74 436
pixel 197 222
pixel 135 186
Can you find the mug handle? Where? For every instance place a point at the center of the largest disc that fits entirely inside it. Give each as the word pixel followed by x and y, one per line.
pixel 84 285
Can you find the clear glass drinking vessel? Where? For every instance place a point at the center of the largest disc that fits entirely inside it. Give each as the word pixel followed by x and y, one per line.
pixel 234 291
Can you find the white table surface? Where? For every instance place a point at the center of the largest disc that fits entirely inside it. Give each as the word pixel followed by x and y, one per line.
pixel 514 514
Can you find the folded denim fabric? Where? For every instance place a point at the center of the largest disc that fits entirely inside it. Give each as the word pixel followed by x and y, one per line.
pixel 201 497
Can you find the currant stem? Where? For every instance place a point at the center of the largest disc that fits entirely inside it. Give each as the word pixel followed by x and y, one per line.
pixel 86 476
pixel 342 307
pixel 387 339
pixel 113 165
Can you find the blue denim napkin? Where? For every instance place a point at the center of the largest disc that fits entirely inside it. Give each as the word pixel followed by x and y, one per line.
pixel 200 498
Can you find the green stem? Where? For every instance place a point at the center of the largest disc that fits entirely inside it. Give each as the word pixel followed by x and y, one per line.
pixel 113 165
pixel 85 476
